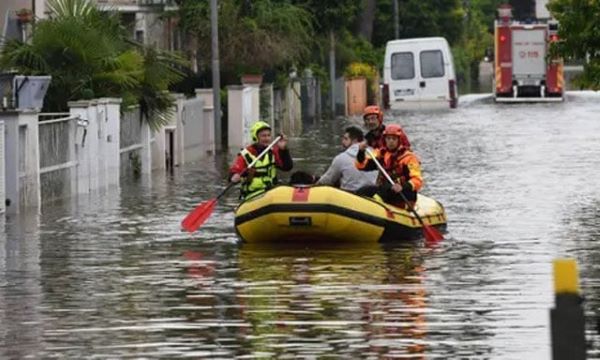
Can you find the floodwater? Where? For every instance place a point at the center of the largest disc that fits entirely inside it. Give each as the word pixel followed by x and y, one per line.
pixel 112 276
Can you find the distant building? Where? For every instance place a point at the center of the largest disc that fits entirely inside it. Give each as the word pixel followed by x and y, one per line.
pixel 145 20
pixel 142 17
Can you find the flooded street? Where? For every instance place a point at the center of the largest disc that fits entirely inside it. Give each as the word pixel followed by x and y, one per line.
pixel 112 275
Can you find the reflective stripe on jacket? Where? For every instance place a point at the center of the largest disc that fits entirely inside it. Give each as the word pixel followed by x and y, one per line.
pixel 402 166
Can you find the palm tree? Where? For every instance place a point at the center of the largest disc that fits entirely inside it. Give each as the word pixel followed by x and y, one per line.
pixel 88 55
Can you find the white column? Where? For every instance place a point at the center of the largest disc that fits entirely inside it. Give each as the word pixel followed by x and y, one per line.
pixel 101 145
pixel 235 118
pixel 158 149
pixel 2 189
pixel 111 139
pixel 208 128
pixel 91 142
pixel 11 158
pixel 254 90
pixel 207 96
pixel 145 151
pixel 82 133
pixel 178 156
pixel 30 181
pixel 208 131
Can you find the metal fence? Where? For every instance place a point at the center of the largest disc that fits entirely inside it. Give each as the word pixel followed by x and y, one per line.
pixel 57 154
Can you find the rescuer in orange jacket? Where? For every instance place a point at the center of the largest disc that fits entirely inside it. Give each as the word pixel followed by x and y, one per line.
pixel 373 118
pixel 399 162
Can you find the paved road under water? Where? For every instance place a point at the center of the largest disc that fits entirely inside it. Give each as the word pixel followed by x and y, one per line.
pixel 111 276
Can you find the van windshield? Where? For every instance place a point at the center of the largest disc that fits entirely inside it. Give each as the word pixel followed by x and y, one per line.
pixel 432 64
pixel 403 66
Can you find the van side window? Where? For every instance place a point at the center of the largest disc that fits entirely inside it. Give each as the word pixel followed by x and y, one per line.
pixel 403 66
pixel 432 64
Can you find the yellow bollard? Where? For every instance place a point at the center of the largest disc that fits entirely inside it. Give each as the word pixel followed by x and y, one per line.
pixel 566 278
pixel 566 318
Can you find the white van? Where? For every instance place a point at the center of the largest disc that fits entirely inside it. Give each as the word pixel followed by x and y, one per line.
pixel 419 74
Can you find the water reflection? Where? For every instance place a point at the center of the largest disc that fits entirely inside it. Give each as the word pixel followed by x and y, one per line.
pixel 21 291
pixel 349 301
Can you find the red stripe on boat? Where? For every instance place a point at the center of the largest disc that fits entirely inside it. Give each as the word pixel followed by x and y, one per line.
pixel 300 194
pixel 389 214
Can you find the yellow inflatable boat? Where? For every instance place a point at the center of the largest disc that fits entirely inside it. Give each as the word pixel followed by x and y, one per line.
pixel 325 213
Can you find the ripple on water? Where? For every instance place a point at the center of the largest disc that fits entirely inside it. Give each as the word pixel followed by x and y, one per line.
pixel 113 276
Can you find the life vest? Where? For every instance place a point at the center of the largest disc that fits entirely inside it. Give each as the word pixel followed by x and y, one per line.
pixel 265 175
pixel 395 167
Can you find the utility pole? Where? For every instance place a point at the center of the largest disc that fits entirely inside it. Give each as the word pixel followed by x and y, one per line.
pixel 216 79
pixel 396 20
pixel 332 71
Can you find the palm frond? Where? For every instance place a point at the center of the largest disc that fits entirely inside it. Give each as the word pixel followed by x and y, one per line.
pixel 71 8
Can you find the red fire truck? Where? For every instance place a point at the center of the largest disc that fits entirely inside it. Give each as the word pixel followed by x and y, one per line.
pixel 523 70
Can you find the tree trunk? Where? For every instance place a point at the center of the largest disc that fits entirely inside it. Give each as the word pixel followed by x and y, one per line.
pixel 367 18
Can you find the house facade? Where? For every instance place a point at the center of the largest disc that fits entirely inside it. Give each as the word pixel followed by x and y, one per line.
pixel 145 19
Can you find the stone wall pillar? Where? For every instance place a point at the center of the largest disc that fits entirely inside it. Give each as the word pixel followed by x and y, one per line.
pixel 111 139
pixel 146 150
pixel 81 110
pixel 21 160
pixel 11 161
pixel 235 117
pixel 30 181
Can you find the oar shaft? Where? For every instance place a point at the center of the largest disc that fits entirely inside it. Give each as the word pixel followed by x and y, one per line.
pixel 264 152
pixel 229 186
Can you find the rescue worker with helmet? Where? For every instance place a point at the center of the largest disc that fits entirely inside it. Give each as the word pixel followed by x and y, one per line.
pixel 263 175
pixel 399 162
pixel 373 119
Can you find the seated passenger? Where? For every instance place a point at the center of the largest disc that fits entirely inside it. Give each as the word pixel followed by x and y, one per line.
pixel 342 169
pixel 399 162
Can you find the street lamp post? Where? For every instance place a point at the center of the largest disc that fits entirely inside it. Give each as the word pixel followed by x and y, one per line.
pixel 396 20
pixel 214 26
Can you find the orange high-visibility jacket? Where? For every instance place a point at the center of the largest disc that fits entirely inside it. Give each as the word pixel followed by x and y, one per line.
pixel 402 166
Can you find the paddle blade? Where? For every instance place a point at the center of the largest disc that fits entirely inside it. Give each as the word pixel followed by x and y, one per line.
pixel 432 235
pixel 198 216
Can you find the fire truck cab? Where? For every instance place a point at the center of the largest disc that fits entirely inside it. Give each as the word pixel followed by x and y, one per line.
pixel 523 70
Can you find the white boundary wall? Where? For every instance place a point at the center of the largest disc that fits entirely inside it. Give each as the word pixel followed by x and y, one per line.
pixel 93 149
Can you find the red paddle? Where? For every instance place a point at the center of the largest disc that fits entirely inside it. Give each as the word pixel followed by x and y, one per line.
pixel 198 216
pixel 432 235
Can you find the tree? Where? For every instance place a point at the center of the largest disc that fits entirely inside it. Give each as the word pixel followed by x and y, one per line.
pixel 254 36
pixel 470 49
pixel 579 34
pixel 418 19
pixel 88 56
